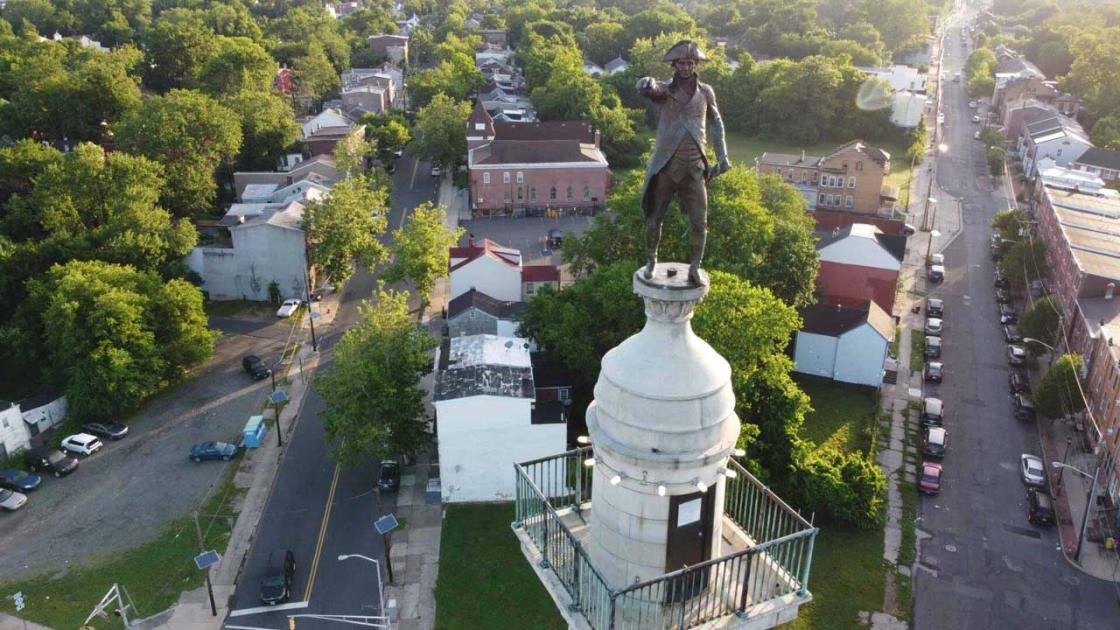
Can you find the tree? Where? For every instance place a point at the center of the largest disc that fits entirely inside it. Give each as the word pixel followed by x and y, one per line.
pixel 439 129
pixel 268 127
pixel 190 134
pixel 238 64
pixel 1106 132
pixel 897 21
pixel 1024 262
pixel 603 41
pixel 175 50
pixel 846 488
pixel 1059 393
pixel 758 230
pixel 115 335
pixel 1092 75
pixel 343 228
pixel 374 401
pixel 996 157
pixel 313 75
pixel 351 153
pixel 457 77
pixel 1042 321
pixel 421 250
pixel 388 130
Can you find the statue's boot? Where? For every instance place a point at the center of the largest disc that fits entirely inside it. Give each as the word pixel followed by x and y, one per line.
pixel 651 262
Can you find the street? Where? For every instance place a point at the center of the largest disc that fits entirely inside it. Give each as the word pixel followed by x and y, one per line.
pixel 981 564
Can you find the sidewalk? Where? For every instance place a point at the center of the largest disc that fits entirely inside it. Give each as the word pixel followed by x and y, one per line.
pixel 1070 496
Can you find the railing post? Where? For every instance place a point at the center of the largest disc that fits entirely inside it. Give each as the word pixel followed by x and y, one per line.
pixel 614 601
pixel 544 540
pixel 742 612
pixel 579 481
pixel 519 490
pixel 575 576
pixel 808 563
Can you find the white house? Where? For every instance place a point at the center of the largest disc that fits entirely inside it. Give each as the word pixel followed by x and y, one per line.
pixel 845 344
pixel 497 271
pixel 908 93
pixel 323 120
pixel 14 436
pixel 272 193
pixel 592 69
pixel 616 65
pixel 17 427
pixel 488 416
pixel 1056 137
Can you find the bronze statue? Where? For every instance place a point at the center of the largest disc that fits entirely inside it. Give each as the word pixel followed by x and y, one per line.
pixel 679 164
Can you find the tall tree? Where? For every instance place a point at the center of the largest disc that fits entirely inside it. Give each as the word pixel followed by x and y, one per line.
pixel 374 402
pixel 1042 321
pixel 421 251
pixel 1059 393
pixel 313 75
pixel 439 134
pixel 190 134
pixel 238 64
pixel 343 228
pixel 175 48
pixel 268 127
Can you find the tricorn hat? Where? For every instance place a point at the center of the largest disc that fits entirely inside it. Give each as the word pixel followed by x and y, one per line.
pixel 685 49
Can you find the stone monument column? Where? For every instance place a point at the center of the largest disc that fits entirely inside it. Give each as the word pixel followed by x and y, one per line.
pixel 663 425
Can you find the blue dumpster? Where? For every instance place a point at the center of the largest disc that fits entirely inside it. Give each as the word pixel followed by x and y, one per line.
pixel 254 432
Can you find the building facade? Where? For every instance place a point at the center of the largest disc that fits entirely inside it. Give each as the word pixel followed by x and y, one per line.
pixel 849 178
pixel 845 344
pixel 860 263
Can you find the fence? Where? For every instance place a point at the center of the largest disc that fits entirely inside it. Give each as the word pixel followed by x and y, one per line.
pixel 775 563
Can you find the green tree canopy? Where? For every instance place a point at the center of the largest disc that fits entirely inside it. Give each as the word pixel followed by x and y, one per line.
pixel 344 228
pixel 238 64
pixel 175 49
pixel 439 132
pixel 1042 321
pixel 374 402
pixel 421 251
pixel 1023 262
pixel 268 127
pixel 1059 393
pixel 1106 132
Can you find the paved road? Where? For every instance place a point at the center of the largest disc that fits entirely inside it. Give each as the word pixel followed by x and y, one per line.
pixel 985 566
pixel 114 501
pixel 309 486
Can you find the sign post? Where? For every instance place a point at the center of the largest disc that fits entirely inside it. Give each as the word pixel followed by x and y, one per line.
pixel 384 525
pixel 204 561
pixel 277 398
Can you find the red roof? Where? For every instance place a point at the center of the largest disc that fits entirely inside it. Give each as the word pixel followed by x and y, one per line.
pixel 540 273
pixel 507 255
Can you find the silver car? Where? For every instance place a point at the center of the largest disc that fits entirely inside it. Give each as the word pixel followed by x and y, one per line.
pixel 11 500
pixel 1034 473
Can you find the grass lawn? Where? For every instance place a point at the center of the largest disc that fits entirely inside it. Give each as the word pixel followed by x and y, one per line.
pixel 841 413
pixel 847 578
pixel 154 574
pixel 484 580
pixel 917 350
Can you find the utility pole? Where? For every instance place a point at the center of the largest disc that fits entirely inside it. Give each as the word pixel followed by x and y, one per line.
pixel 1085 517
pixel 310 313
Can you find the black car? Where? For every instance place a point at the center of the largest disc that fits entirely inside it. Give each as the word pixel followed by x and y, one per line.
pixel 19 480
pixel 1003 296
pixel 934 371
pixel 1018 382
pixel 1024 407
pixel 933 347
pixel 1040 509
pixel 255 367
pixel 555 238
pixel 276 585
pixel 1011 334
pixel 389 477
pixel 1008 314
pixel 935 308
pixel 50 460
pixel 1001 281
pixel 111 430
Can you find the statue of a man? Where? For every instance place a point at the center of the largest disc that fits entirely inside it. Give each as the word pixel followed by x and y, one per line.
pixel 679 165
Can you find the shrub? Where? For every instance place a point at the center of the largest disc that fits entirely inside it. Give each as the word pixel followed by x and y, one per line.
pixel 845 488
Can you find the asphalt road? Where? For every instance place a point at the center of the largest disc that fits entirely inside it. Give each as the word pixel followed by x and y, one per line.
pixel 317 510
pixel 985 565
pixel 123 495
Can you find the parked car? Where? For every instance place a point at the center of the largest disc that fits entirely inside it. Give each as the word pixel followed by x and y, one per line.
pixel 933 347
pixel 936 273
pixel 1011 334
pixel 256 367
pixel 934 327
pixel 936 259
pixel 276 585
pixel 1024 407
pixel 288 308
pixel 213 450
pixel 1008 314
pixel 1000 281
pixel 436 170
pixel 908 230
pixel 1032 470
pixel 389 476
pixel 111 430
pixel 1040 508
pixel 1037 288
pixel 1016 354
pixel 976 135
pixel 935 307
pixel 50 460
pixel 934 442
pixel 19 480
pixel 81 444
pixel 1003 296
pixel 929 482
pixel 1018 382
pixel 555 238
pixel 975 119
pixel 10 500
pixel 934 372
pixel 933 412
pixel 971 104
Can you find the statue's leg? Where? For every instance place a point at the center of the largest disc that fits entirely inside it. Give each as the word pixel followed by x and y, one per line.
pixel 661 194
pixel 694 201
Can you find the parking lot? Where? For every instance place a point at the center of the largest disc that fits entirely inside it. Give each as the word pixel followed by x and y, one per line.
pixel 528 234
pixel 125 493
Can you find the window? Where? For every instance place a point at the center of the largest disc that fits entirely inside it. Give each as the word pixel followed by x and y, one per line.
pixel 820 199
pixel 851 182
pixel 859 165
pixel 505 196
pixel 847 201
pixel 552 193
pixel 529 288
pixel 587 193
pixel 505 177
pixel 486 178
pixel 520 193
pixel 532 193
pixel 480 126
pixel 520 177
pixel 568 193
pixel 564 393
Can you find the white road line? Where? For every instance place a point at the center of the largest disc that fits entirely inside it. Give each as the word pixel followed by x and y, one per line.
pixel 245 627
pixel 263 609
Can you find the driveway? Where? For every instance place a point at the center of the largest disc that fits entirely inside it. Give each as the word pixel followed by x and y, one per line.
pixel 122 496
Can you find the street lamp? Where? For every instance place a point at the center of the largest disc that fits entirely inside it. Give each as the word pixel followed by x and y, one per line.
pixel 929 246
pixel 1065 458
pixel 1088 503
pixel 1052 349
pixel 380 590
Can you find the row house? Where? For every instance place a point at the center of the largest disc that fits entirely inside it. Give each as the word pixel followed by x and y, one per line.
pixel 519 168
pixel 1016 88
pixel 849 178
pixel 372 90
pixel 1101 359
pixel 1104 163
pixel 1054 137
pixel 498 272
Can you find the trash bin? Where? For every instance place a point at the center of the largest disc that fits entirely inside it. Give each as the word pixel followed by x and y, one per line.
pixel 254 432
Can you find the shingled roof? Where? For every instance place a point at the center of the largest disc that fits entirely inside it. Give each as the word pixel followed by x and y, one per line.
pixel 835 320
pixel 479 300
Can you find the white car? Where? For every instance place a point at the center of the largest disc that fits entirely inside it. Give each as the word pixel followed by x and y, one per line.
pixel 976 135
pixel 11 500
pixel 1034 474
pixel 975 119
pixel 937 259
pixel 288 307
pixel 972 104
pixel 82 444
pixel 436 171
pixel 934 327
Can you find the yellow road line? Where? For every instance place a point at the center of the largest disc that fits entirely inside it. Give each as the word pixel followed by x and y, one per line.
pixel 322 534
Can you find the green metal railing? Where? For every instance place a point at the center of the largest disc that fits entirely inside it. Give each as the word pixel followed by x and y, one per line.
pixel 775 565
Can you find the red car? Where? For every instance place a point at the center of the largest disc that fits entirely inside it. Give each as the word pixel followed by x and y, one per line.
pixel 929 482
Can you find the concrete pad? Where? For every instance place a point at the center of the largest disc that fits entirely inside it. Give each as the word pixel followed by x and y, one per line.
pixel 889 459
pixel 883 621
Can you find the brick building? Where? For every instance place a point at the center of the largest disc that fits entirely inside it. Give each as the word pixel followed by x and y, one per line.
pixel 529 168
pixel 860 263
pixel 848 178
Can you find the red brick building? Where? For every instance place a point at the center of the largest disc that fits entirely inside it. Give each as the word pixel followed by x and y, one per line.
pixel 528 168
pixel 860 263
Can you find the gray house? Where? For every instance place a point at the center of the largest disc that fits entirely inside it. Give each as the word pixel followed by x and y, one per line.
pixel 475 313
pixel 843 343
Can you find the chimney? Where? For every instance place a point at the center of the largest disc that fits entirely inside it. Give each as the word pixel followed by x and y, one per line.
pixel 802 155
pixel 1109 290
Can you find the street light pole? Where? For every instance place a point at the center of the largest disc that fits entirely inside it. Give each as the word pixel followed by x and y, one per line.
pixel 1065 458
pixel 1085 517
pixel 380 586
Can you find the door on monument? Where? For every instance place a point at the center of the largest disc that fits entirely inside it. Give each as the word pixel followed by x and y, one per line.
pixel 689 542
